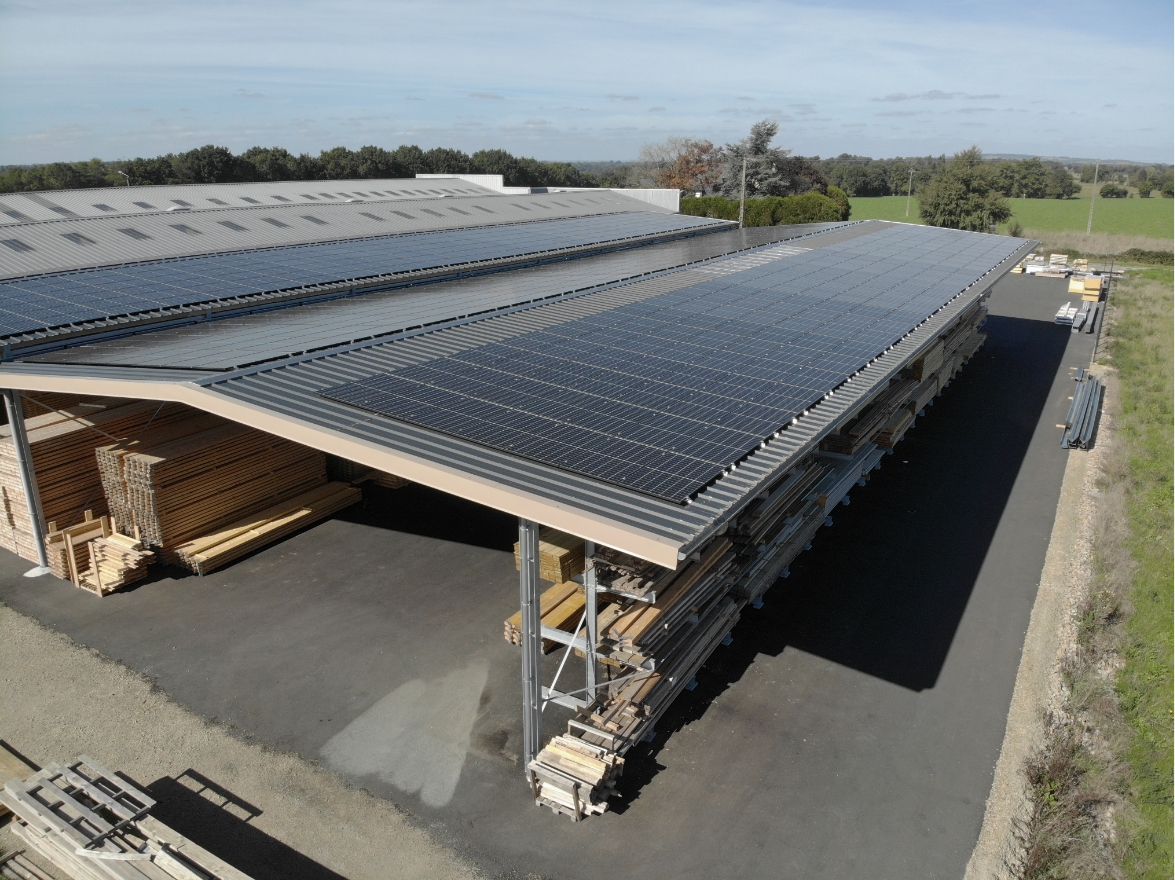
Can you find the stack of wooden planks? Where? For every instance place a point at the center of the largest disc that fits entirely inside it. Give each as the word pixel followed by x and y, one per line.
pixel 62 446
pixel 68 548
pixel 560 607
pixel 115 561
pixel 575 777
pixel 187 487
pixel 560 555
pixel 94 825
pixel 227 543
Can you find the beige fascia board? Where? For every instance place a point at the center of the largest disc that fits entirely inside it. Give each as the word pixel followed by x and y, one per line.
pixel 654 548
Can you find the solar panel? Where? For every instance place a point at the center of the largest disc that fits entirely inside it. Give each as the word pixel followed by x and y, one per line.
pixel 664 394
pixel 41 301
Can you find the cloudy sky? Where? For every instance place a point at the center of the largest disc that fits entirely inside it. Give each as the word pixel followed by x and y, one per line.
pixel 118 79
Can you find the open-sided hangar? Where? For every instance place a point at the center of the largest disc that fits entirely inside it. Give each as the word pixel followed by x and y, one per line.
pixel 690 399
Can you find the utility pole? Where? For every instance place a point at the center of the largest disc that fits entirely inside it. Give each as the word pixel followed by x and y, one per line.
pixel 909 191
pixel 742 199
pixel 1092 196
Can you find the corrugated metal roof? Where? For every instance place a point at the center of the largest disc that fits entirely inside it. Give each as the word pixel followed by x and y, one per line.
pixel 68 244
pixel 284 399
pixel 135 200
pixel 249 339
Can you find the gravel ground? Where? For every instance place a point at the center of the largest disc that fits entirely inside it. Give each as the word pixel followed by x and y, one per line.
pixel 307 822
pixel 1051 638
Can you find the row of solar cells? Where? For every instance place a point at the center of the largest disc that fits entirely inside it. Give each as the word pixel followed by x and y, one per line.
pixel 46 301
pixel 664 394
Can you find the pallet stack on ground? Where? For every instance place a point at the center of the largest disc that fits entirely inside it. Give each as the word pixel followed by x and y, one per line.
pixel 91 824
pixel 658 626
pixel 115 561
pixel 62 444
pixel 228 543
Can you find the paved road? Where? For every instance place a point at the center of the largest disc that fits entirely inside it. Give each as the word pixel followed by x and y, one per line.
pixel 851 730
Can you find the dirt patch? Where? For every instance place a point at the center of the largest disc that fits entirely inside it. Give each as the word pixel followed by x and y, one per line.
pixel 280 815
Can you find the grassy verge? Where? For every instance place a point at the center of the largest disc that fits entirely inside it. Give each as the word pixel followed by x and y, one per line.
pixel 1102 782
pixel 1139 218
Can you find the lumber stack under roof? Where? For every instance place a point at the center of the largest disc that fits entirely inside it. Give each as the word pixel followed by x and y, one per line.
pixel 560 555
pixel 62 444
pixel 657 626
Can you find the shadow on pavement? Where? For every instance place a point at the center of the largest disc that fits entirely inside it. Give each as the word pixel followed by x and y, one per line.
pixel 419 510
pixel 216 819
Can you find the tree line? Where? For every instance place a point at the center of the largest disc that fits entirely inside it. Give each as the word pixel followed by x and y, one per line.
pixel 213 164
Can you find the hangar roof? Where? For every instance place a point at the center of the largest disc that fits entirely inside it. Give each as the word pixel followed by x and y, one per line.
pixel 270 369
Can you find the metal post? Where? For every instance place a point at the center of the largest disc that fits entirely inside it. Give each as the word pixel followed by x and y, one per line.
pixel 28 479
pixel 909 191
pixel 532 647
pixel 589 585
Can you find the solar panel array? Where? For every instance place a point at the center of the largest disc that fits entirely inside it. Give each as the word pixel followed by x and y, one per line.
pixel 663 395
pixel 44 301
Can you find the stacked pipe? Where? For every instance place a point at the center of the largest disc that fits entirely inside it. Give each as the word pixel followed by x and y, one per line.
pixel 1081 419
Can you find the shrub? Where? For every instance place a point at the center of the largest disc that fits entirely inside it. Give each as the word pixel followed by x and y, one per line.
pixel 1113 191
pixel 811 207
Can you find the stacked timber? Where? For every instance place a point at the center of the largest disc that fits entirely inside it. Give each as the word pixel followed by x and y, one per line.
pixel 218 548
pixel 185 488
pixel 111 460
pixel 62 445
pixel 895 429
pixel 115 561
pixel 560 607
pixel 575 777
pixel 91 824
pixel 560 555
pixel 68 548
pixel 866 426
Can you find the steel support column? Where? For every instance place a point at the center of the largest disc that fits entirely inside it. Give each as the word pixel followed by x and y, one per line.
pixel 532 646
pixel 28 479
pixel 589 585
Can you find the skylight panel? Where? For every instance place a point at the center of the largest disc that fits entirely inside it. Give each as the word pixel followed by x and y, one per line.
pixel 315 220
pixel 405 216
pixel 182 203
pixel 185 229
pixel 131 232
pixel 16 244
pixel 308 196
pixel 275 222
pixel 218 202
pixel 280 198
pixel 250 201
pixel 372 216
pixel 434 213
pixel 77 238
pixel 101 206
pixel 147 206
pixel 235 227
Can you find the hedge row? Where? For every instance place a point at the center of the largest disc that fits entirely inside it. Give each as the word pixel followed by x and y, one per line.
pixel 1153 258
pixel 811 207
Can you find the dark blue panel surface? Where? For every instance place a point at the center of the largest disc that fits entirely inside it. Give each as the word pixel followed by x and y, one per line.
pixel 662 395
pixel 44 301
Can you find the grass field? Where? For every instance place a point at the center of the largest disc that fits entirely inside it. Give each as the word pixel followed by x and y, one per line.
pixel 1152 218
pixel 1142 352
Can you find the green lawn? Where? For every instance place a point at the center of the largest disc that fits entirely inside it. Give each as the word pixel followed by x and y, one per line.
pixel 1154 218
pixel 1142 351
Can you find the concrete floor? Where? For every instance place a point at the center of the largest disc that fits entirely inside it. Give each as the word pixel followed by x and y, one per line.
pixel 850 730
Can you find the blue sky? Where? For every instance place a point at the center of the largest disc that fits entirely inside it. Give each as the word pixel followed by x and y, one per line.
pixel 118 79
